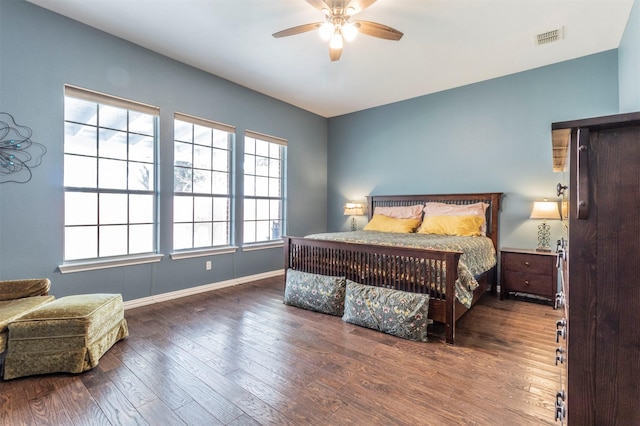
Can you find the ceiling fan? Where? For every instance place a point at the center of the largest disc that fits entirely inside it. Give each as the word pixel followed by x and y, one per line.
pixel 338 26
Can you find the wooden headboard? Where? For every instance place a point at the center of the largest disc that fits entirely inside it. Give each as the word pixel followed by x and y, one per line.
pixel 491 198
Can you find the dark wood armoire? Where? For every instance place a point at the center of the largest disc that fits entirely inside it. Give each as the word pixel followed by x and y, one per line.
pixel 601 279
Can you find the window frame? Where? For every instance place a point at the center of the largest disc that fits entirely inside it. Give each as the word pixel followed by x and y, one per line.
pixel 194 250
pixel 271 242
pixel 129 162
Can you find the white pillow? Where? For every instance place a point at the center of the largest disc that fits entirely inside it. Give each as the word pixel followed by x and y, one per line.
pixel 401 212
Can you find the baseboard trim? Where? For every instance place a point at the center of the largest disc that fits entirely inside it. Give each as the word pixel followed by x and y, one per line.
pixel 144 301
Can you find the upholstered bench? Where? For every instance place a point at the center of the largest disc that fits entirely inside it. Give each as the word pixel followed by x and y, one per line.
pixel 68 335
pixel 19 297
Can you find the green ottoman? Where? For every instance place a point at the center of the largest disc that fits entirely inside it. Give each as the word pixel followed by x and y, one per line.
pixel 68 335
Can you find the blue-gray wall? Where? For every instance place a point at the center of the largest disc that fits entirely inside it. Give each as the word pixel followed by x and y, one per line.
pixel 629 63
pixel 490 136
pixel 41 51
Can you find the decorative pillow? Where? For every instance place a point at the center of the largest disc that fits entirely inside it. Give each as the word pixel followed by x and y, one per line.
pixel 395 312
pixel 391 224
pixel 463 226
pixel 320 293
pixel 401 212
pixel 446 209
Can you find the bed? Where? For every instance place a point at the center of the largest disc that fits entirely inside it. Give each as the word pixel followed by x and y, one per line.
pixel 433 271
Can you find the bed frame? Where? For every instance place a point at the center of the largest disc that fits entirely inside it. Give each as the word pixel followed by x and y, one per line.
pixel 407 269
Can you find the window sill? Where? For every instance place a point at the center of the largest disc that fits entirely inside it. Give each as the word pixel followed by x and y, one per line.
pixel 111 263
pixel 263 246
pixel 201 253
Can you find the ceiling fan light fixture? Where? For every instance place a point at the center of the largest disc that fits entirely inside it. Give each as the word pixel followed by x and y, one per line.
pixel 326 30
pixel 336 40
pixel 337 27
pixel 349 31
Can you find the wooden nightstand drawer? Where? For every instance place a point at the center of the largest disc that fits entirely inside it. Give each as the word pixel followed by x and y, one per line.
pixel 530 263
pixel 523 282
pixel 528 271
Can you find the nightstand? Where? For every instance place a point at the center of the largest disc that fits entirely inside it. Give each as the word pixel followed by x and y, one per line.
pixel 528 271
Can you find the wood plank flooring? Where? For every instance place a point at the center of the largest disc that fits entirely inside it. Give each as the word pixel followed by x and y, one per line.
pixel 239 356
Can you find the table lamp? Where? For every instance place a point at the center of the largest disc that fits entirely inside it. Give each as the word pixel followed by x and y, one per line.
pixel 353 209
pixel 545 210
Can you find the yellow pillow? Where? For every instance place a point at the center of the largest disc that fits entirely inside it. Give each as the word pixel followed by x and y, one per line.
pixel 391 224
pixel 463 226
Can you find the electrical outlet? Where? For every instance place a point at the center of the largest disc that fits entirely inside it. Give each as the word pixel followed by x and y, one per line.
pixel 207 265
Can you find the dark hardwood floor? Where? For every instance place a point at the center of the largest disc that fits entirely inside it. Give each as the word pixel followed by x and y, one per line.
pixel 239 356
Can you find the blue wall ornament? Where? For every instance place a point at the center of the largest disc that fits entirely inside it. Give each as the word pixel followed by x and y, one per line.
pixel 18 153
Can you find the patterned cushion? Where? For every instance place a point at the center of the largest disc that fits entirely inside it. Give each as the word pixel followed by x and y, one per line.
pixel 82 315
pixel 10 310
pixel 16 289
pixel 395 312
pixel 315 292
pixel 67 335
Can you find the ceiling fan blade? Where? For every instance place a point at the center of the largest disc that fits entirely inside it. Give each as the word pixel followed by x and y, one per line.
pixel 334 54
pixel 297 30
pixel 378 30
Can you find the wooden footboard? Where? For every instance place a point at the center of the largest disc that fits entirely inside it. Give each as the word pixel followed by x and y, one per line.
pixel 409 269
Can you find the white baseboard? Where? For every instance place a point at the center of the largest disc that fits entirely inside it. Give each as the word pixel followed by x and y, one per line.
pixel 136 303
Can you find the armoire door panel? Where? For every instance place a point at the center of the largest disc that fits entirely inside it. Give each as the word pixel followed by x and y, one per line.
pixel 602 281
pixel 617 168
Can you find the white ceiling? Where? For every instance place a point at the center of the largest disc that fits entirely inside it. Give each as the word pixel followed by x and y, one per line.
pixel 446 43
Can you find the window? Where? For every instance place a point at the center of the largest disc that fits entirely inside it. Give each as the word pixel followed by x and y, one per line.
pixel 202 183
pixel 109 176
pixel 264 183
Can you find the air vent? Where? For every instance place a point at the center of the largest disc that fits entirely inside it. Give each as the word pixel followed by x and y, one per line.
pixel 549 37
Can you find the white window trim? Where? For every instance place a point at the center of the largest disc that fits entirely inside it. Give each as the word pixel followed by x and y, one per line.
pixel 115 101
pixel 180 116
pixel 264 137
pixel 93 265
pixel 188 254
pixel 263 245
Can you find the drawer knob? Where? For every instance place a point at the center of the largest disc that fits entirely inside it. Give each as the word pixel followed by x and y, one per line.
pixel 526 263
pixel 526 282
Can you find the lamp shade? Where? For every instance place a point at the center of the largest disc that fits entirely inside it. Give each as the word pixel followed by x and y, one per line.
pixel 545 210
pixel 353 209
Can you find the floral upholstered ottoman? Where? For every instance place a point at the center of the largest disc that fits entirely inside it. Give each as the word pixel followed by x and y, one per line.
pixel 68 335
